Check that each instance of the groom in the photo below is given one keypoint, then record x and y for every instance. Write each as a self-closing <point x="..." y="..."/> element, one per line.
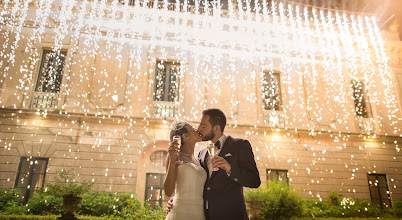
<point x="223" y="190"/>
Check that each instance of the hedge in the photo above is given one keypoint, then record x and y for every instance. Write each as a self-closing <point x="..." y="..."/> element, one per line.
<point x="44" y="217"/>
<point x="276" y="201"/>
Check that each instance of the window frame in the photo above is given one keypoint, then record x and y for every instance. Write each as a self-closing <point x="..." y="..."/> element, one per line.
<point x="276" y="174"/>
<point x="164" y="156"/>
<point x="38" y="84"/>
<point x="167" y="81"/>
<point x="30" y="176"/>
<point x="366" y="100"/>
<point x="376" y="175"/>
<point x="265" y="88"/>
<point x="147" y="186"/>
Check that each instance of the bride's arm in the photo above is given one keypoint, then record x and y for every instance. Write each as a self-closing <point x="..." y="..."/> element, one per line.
<point x="171" y="173"/>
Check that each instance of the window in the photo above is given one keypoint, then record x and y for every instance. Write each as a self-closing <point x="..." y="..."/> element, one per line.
<point x="281" y="175"/>
<point x="47" y="88"/>
<point x="362" y="105"/>
<point x="379" y="191"/>
<point x="158" y="158"/>
<point x="166" y="89"/>
<point x="365" y="119"/>
<point x="51" y="71"/>
<point x="271" y="91"/>
<point x="31" y="175"/>
<point x="154" y="193"/>
<point x="166" y="81"/>
<point x="130" y="2"/>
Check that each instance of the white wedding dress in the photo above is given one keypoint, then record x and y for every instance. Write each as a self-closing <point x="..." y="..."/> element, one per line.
<point x="188" y="200"/>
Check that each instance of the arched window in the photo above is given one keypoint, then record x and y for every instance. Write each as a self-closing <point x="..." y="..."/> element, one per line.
<point x="158" y="158"/>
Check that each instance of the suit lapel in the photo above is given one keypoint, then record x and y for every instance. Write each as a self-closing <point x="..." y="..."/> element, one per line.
<point x="226" y="147"/>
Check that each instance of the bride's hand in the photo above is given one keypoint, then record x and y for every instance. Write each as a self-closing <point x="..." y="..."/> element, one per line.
<point x="173" y="151"/>
<point x="169" y="205"/>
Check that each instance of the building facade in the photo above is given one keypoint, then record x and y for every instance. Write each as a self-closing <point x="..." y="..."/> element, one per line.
<point x="94" y="86"/>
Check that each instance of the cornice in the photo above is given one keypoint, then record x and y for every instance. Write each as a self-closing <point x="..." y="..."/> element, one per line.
<point x="164" y="124"/>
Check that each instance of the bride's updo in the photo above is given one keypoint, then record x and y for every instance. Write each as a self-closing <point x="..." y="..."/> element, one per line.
<point x="179" y="128"/>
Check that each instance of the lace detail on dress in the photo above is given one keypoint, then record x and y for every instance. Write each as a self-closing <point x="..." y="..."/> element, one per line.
<point x="187" y="158"/>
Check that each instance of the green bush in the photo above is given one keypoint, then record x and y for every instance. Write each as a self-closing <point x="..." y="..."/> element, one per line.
<point x="104" y="203"/>
<point x="41" y="217"/>
<point x="277" y="200"/>
<point x="27" y="217"/>
<point x="338" y="206"/>
<point x="43" y="203"/>
<point x="334" y="198"/>
<point x="120" y="205"/>
<point x="93" y="203"/>
<point x="134" y="210"/>
<point x="360" y="208"/>
<point x="11" y="202"/>
<point x="65" y="185"/>
<point x="316" y="208"/>
<point x="396" y="209"/>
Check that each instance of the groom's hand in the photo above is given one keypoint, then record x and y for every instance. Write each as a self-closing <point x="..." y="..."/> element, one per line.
<point x="219" y="162"/>
<point x="169" y="205"/>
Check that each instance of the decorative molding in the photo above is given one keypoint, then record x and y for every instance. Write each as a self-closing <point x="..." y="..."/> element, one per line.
<point x="394" y="51"/>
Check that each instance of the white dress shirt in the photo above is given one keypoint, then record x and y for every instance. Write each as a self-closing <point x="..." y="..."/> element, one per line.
<point x="222" y="139"/>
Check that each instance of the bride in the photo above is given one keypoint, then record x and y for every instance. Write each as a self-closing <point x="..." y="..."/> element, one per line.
<point x="186" y="180"/>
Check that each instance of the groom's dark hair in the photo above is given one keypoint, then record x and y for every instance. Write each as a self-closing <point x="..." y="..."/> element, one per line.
<point x="216" y="117"/>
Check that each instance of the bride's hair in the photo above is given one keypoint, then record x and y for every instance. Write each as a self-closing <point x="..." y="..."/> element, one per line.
<point x="178" y="128"/>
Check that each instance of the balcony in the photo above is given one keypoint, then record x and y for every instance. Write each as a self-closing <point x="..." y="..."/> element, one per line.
<point x="262" y="7"/>
<point x="44" y="100"/>
<point x="180" y="7"/>
<point x="274" y="118"/>
<point x="165" y="110"/>
<point x="366" y="125"/>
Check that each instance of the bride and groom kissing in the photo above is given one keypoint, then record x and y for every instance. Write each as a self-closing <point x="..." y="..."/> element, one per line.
<point x="211" y="186"/>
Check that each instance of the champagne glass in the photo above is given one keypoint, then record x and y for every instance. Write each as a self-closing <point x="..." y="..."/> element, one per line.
<point x="212" y="151"/>
<point x="177" y="139"/>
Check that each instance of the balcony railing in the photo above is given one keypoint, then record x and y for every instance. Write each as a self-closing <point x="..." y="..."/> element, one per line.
<point x="366" y="125"/>
<point x="242" y="5"/>
<point x="173" y="6"/>
<point x="164" y="109"/>
<point x="274" y="118"/>
<point x="44" y="100"/>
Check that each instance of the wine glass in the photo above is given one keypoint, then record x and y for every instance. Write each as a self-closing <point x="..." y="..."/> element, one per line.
<point x="212" y="151"/>
<point x="177" y="139"/>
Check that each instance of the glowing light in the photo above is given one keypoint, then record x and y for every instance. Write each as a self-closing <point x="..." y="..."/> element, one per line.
<point x="117" y="51"/>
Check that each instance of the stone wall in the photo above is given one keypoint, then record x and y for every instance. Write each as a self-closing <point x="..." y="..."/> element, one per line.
<point x="115" y="153"/>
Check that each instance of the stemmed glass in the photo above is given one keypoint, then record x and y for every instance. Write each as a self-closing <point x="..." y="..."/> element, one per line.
<point x="177" y="139"/>
<point x="212" y="151"/>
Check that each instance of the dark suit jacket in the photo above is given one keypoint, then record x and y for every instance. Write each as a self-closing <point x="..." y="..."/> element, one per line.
<point x="225" y="193"/>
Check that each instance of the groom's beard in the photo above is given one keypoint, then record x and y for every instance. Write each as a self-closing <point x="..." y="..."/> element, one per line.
<point x="209" y="136"/>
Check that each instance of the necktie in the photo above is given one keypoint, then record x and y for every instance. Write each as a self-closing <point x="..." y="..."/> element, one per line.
<point x="218" y="144"/>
